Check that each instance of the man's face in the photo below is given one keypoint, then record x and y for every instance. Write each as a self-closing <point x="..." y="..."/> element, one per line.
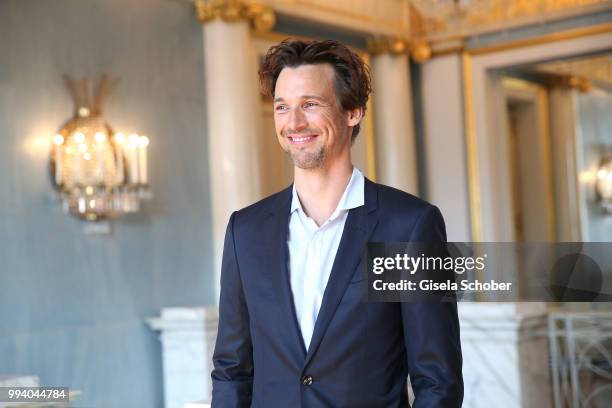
<point x="310" y="123"/>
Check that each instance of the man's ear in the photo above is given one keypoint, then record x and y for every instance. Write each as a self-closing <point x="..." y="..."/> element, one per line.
<point x="354" y="116"/>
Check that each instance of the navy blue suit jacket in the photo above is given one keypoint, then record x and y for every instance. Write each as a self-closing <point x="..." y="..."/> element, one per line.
<point x="360" y="353"/>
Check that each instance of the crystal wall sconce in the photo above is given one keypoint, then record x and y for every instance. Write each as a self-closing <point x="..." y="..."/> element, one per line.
<point x="98" y="173"/>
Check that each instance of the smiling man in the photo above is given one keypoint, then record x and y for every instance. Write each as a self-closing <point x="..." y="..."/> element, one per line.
<point x="293" y="329"/>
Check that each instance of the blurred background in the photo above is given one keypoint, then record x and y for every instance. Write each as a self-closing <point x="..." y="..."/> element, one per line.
<point x="131" y="129"/>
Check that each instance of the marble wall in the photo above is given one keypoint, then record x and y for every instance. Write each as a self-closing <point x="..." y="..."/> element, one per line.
<point x="72" y="305"/>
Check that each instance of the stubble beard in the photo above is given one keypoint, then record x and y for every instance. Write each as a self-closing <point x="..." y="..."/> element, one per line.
<point x="307" y="160"/>
<point x="302" y="158"/>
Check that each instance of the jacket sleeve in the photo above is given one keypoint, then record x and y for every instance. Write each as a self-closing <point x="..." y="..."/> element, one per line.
<point x="232" y="376"/>
<point x="431" y="334"/>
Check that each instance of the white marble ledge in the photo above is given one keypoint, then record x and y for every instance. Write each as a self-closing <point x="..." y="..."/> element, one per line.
<point x="497" y="310"/>
<point x="502" y="321"/>
<point x="188" y="336"/>
<point x="19" y="380"/>
<point x="197" y="405"/>
<point x="185" y="318"/>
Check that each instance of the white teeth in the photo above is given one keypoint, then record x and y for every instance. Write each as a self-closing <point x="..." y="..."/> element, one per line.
<point x="301" y="139"/>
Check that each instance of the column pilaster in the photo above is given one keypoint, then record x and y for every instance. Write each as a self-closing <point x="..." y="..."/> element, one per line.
<point x="396" y="159"/>
<point x="233" y="108"/>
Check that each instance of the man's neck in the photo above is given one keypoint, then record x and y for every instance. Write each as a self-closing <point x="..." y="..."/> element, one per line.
<point x="321" y="189"/>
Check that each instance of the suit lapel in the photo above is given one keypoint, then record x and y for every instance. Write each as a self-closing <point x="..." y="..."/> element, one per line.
<point x="281" y="284"/>
<point x="358" y="228"/>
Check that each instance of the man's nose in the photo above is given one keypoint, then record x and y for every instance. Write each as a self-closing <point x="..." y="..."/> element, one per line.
<point x="297" y="120"/>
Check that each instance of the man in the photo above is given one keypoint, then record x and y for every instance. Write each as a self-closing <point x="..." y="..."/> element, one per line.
<point x="293" y="329"/>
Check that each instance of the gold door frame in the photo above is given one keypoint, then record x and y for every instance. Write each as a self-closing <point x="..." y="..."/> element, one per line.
<point x="469" y="114"/>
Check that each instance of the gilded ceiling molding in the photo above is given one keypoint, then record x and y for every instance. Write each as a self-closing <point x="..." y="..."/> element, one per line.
<point x="577" y="82"/>
<point x="261" y="17"/>
<point x="437" y="20"/>
<point x="388" y="45"/>
<point x="419" y="50"/>
<point x="445" y="47"/>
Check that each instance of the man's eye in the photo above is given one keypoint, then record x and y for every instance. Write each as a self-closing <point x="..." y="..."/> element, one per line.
<point x="280" y="108"/>
<point x="310" y="104"/>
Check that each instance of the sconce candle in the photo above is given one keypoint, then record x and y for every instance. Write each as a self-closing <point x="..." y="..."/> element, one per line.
<point x="132" y="154"/>
<point x="120" y="140"/>
<point x="604" y="184"/>
<point x="58" y="140"/>
<point x="143" y="143"/>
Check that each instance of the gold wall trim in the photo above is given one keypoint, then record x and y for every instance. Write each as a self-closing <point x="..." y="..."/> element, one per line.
<point x="369" y="130"/>
<point x="520" y="84"/>
<point x="544" y="113"/>
<point x="472" y="151"/>
<point x="544" y="132"/>
<point x="544" y="39"/>
<point x="447" y="51"/>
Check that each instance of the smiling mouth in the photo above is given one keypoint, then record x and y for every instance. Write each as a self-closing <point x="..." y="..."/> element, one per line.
<point x="300" y="140"/>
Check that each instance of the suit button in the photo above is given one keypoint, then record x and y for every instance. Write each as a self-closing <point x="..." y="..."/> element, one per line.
<point x="307" y="380"/>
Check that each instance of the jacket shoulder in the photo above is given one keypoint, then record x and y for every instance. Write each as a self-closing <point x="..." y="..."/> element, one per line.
<point x="397" y="201"/>
<point x="263" y="207"/>
<point x="406" y="217"/>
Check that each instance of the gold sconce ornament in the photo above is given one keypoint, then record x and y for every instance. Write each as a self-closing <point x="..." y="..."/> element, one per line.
<point x="604" y="184"/>
<point x="98" y="173"/>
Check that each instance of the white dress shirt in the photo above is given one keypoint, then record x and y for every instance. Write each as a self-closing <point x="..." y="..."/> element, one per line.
<point x="312" y="251"/>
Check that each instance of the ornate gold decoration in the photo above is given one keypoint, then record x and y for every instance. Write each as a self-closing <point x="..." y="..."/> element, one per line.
<point x="260" y="16"/>
<point x="580" y="83"/>
<point x="264" y="18"/>
<point x="420" y="51"/>
<point x="388" y="45"/>
<point x="445" y="17"/>
<point x="581" y="73"/>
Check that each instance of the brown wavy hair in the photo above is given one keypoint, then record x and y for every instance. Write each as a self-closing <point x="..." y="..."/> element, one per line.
<point x="352" y="75"/>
